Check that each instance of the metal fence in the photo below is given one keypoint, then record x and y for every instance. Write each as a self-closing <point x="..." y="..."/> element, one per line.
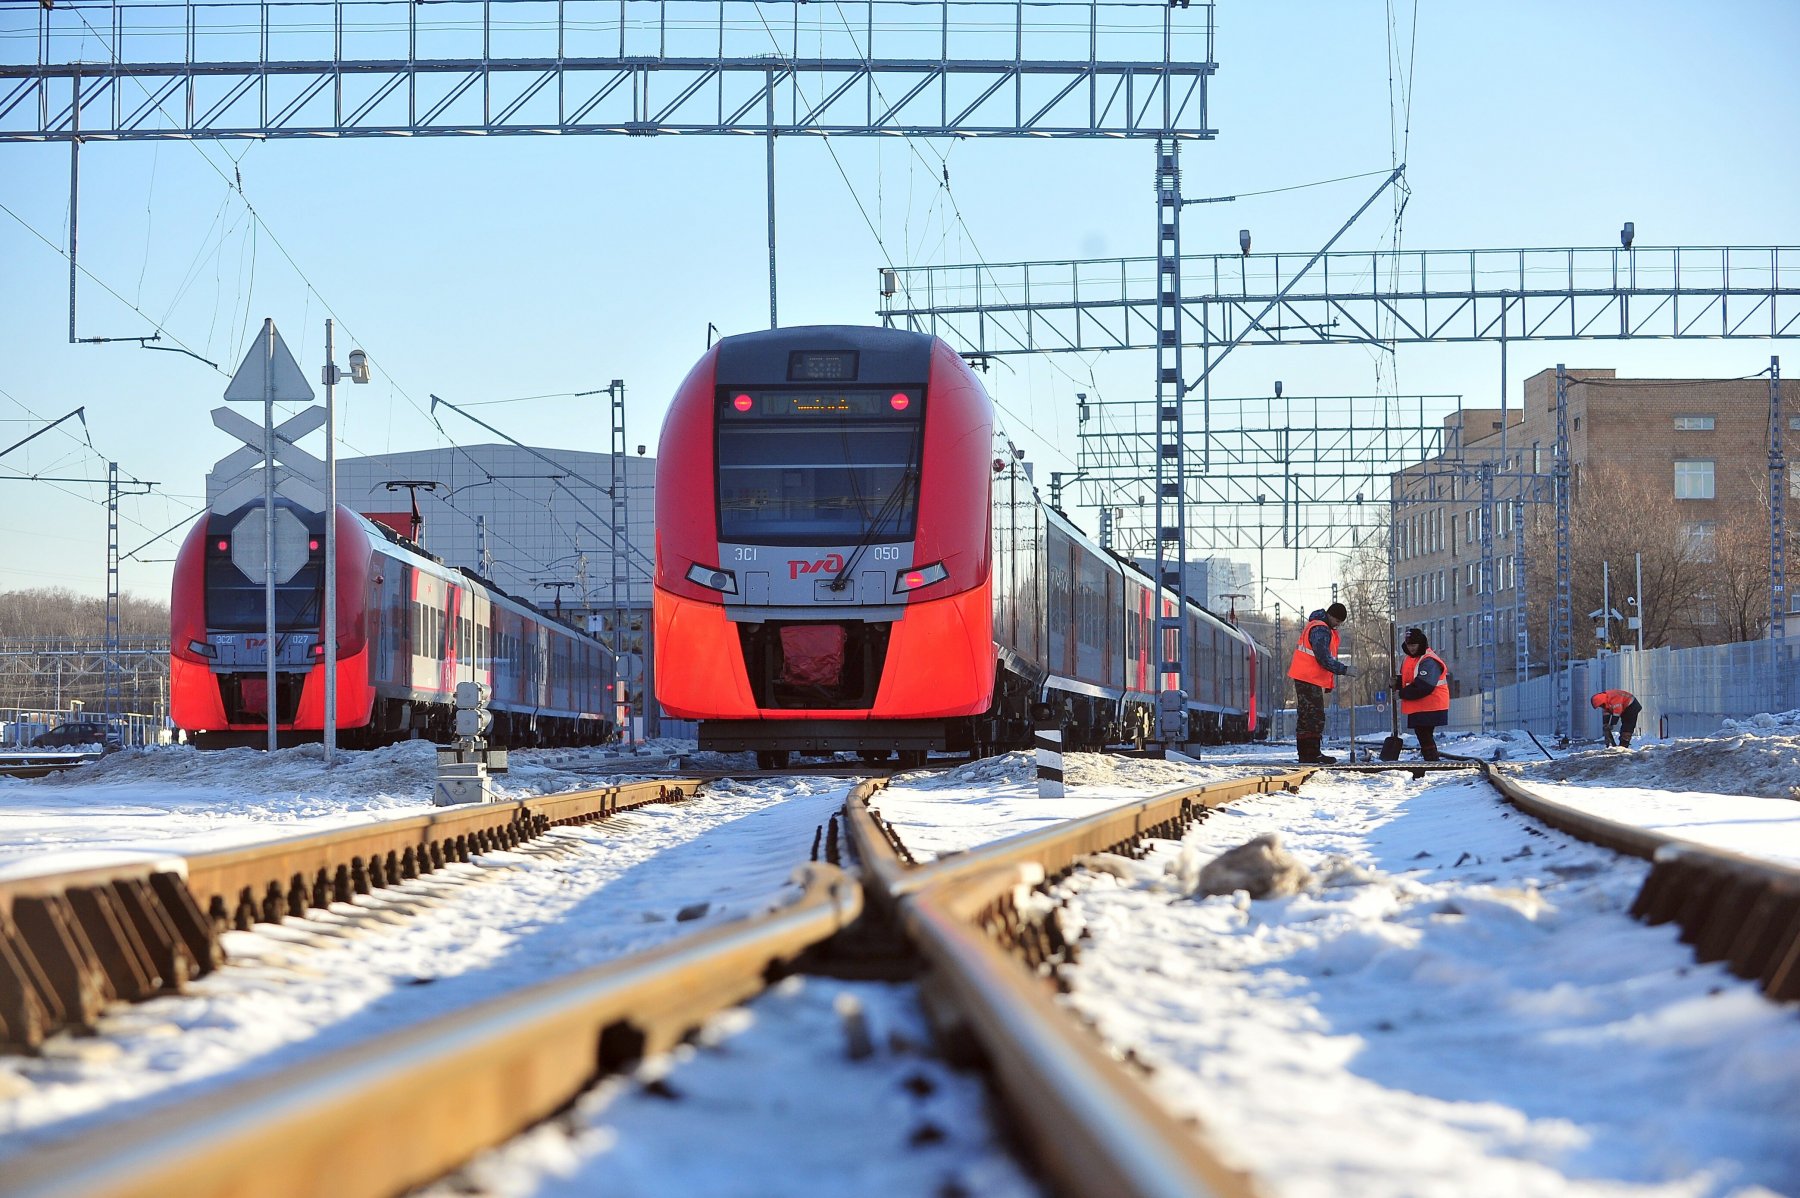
<point x="1685" y="692"/>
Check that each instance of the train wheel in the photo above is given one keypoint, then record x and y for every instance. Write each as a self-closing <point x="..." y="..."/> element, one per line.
<point x="873" y="756"/>
<point x="911" y="759"/>
<point x="771" y="759"/>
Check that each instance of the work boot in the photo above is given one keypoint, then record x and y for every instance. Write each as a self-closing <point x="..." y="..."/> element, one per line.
<point x="1309" y="751"/>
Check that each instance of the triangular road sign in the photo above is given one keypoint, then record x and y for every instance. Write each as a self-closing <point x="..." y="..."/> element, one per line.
<point x="268" y="361"/>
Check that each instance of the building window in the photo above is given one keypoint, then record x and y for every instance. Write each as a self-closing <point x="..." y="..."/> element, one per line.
<point x="1700" y="535"/>
<point x="1693" y="478"/>
<point x="1694" y="424"/>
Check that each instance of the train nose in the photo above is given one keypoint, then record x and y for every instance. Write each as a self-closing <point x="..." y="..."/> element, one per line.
<point x="814" y="664"/>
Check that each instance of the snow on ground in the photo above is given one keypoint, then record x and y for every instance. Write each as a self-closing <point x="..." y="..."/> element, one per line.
<point x="1458" y="1006"/>
<point x="769" y="1101"/>
<point x="1462" y="1008"/>
<point x="177" y="799"/>
<point x="961" y="808"/>
<point x="307" y="986"/>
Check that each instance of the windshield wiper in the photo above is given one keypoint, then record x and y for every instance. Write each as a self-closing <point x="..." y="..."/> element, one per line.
<point x="894" y="498"/>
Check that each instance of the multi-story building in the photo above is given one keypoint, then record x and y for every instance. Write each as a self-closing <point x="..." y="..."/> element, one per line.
<point x="1706" y="440"/>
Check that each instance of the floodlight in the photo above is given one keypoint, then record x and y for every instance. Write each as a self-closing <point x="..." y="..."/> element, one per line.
<point x="1244" y="241"/>
<point x="1626" y="234"/>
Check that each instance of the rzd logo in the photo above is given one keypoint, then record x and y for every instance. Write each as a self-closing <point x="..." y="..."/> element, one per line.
<point x="830" y="563"/>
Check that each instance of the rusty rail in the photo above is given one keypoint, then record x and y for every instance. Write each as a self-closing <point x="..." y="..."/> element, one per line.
<point x="72" y="942"/>
<point x="1731" y="908"/>
<point x="1092" y="1126"/>
<point x="379" y="1118"/>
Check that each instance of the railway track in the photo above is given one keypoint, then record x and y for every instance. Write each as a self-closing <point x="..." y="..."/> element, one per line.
<point x="70" y="943"/>
<point x="987" y="952"/>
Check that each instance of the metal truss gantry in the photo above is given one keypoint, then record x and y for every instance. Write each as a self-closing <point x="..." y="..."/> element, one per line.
<point x="51" y="672"/>
<point x="133" y="70"/>
<point x="1360" y="298"/>
<point x="1270" y="474"/>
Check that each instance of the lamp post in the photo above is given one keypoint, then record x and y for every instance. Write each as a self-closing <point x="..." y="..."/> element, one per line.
<point x="359" y="373"/>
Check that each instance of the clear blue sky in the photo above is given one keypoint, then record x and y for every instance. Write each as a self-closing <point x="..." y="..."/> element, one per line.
<point x="485" y="269"/>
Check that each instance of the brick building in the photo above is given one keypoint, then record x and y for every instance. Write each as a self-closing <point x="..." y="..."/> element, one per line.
<point x="1705" y="439"/>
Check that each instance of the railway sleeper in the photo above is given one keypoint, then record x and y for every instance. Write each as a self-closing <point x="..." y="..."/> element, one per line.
<point x="65" y="956"/>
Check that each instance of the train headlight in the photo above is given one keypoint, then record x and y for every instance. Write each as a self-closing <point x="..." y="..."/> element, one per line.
<point x="921" y="576"/>
<point x="713" y="578"/>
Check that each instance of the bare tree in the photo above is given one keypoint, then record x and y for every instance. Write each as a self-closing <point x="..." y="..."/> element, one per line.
<point x="1615" y="516"/>
<point x="1739" y="588"/>
<point x="45" y="612"/>
<point x="1364" y="591"/>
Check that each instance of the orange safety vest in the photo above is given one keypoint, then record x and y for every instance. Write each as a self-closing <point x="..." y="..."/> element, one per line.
<point x="1438" y="699"/>
<point x="1305" y="667"/>
<point x="1616" y="701"/>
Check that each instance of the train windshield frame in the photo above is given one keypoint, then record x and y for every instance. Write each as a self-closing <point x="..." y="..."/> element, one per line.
<point x="235" y="603"/>
<point x="801" y="466"/>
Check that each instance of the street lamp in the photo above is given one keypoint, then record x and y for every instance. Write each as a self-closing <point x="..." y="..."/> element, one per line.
<point x="359" y="373"/>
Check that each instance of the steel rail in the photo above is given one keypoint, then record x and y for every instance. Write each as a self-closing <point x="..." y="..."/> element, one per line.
<point x="70" y="942"/>
<point x="1057" y="848"/>
<point x="378" y="1118"/>
<point x="1092" y="1126"/>
<point x="1733" y="908"/>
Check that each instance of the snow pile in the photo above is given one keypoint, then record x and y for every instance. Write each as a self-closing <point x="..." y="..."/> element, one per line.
<point x="1746" y="758"/>
<point x="1457" y="1006"/>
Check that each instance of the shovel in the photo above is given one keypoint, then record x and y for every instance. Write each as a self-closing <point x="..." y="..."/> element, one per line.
<point x="1390" y="748"/>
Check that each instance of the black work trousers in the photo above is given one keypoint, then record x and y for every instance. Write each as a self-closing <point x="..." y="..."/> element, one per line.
<point x="1628" y="720"/>
<point x="1309" y="709"/>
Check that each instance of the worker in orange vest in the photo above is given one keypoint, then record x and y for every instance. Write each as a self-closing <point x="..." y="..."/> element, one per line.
<point x="1315" y="669"/>
<point x="1424" y="688"/>
<point x="1618" y="707"/>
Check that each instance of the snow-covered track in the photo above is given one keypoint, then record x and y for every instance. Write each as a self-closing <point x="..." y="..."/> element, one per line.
<point x="36" y="765"/>
<point x="1730" y="907"/>
<point x="72" y="942"/>
<point x="1089" y="1123"/>
<point x="381" y="1118"/>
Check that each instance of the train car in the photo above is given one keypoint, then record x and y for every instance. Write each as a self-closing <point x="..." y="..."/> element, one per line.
<point x="844" y="561"/>
<point x="409" y="628"/>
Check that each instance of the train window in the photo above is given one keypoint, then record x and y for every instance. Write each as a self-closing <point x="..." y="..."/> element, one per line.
<point x="792" y="482"/>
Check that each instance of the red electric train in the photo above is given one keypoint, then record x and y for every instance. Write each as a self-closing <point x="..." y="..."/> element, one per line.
<point x="844" y="561"/>
<point x="409" y="628"/>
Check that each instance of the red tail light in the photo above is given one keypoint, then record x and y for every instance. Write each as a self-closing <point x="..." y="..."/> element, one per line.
<point x="224" y="545"/>
<point x="742" y="403"/>
<point x="899" y="402"/>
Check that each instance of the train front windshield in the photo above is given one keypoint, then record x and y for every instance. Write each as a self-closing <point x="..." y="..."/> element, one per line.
<point x="815" y="468"/>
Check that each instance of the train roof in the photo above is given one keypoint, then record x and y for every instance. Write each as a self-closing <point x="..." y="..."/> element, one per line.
<point x="844" y="353"/>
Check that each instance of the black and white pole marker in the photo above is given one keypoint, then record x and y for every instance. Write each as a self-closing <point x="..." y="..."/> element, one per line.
<point x="1049" y="759"/>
